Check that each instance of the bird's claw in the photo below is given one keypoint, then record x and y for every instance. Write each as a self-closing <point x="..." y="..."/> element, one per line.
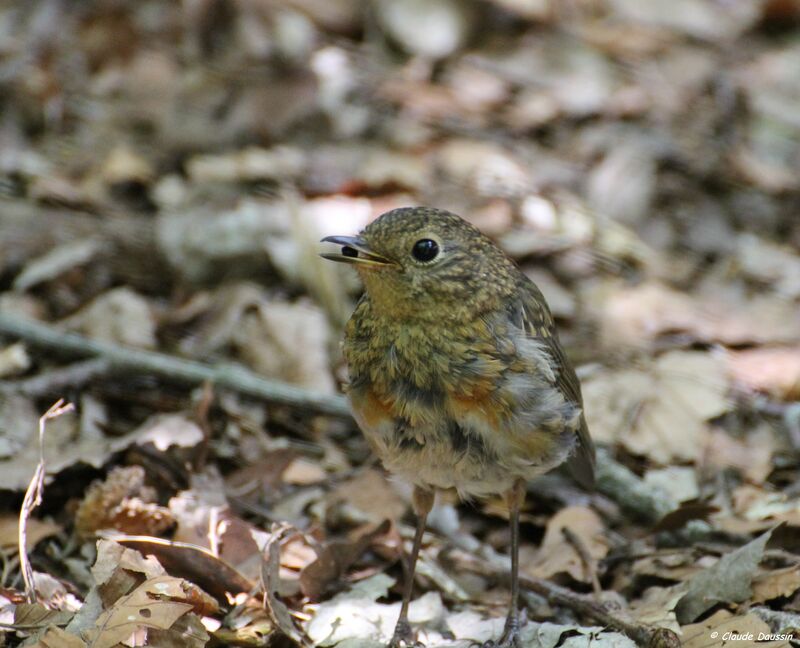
<point x="510" y="638"/>
<point x="399" y="642"/>
<point x="403" y="637"/>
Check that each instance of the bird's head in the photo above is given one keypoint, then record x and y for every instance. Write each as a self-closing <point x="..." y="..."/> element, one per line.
<point x="426" y="263"/>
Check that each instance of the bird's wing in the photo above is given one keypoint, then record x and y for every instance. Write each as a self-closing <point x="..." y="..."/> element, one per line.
<point x="538" y="323"/>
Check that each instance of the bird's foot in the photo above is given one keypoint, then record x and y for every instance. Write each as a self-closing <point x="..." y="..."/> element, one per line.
<point x="403" y="637"/>
<point x="510" y="638"/>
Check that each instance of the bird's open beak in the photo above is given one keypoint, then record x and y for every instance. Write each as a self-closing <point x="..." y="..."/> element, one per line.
<point x="354" y="250"/>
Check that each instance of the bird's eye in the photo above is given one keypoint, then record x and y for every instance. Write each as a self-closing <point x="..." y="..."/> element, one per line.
<point x="425" y="250"/>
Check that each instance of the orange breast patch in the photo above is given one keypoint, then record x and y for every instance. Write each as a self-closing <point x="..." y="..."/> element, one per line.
<point x="371" y="408"/>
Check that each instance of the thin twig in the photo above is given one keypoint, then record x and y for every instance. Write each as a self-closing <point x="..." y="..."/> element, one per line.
<point x="33" y="497"/>
<point x="128" y="359"/>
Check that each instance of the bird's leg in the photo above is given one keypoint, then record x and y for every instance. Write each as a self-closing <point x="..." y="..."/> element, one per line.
<point x="510" y="639"/>
<point x="515" y="498"/>
<point x="423" y="502"/>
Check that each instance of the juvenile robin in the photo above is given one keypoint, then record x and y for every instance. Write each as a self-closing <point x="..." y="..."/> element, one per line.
<point x="457" y="377"/>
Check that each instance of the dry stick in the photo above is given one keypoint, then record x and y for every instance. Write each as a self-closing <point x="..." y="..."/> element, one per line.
<point x="33" y="497"/>
<point x="643" y="635"/>
<point x="228" y="376"/>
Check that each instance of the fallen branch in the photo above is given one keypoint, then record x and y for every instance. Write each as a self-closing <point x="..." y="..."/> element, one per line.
<point x="642" y="634"/>
<point x="128" y="359"/>
<point x="624" y="487"/>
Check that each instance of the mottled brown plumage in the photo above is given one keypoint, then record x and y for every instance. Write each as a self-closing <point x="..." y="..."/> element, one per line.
<point x="457" y="377"/>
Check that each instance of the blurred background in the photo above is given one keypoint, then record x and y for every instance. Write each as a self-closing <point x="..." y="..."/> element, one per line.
<point x="168" y="168"/>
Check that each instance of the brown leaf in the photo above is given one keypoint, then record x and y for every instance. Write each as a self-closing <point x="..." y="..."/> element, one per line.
<point x="661" y="411"/>
<point x="30" y="616"/>
<point x="120" y="315"/>
<point x="639" y="315"/>
<point x="557" y="556"/>
<point x="669" y="564"/>
<point x="304" y="472"/>
<point x="271" y="580"/>
<point x="776" y="583"/>
<point x="335" y="559"/>
<point x="773" y="371"/>
<point x="196" y="564"/>
<point x="751" y="455"/>
<point x="687" y="511"/>
<point x="372" y="494"/>
<point x="36" y="531"/>
<point x="121" y="502"/>
<point x="156" y="603"/>
<point x="657" y="605"/>
<point x="55" y="637"/>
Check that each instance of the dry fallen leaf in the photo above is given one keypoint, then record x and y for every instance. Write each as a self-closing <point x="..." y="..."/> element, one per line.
<point x="14" y="360"/>
<point x="657" y="606"/>
<point x="556" y="555"/>
<point x="64" y="446"/>
<point x="287" y="341"/>
<point x="57" y="262"/>
<point x="751" y="455"/>
<point x="660" y="411"/>
<point x="157" y="603"/>
<point x="773" y="371"/>
<point x="55" y="637"/>
<point x="728" y="581"/>
<point x="355" y="615"/>
<point x="640" y="315"/>
<point x="193" y="563"/>
<point x="121" y="502"/>
<point x="775" y="583"/>
<point x="167" y="430"/>
<point x="36" y="530"/>
<point x="303" y="472"/>
<point x="120" y="315"/>
<point x="334" y="559"/>
<point x="756" y="509"/>
<point x="372" y="495"/>
<point x="669" y="564"/>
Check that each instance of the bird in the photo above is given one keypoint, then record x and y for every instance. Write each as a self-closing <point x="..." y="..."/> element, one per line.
<point x="457" y="377"/>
